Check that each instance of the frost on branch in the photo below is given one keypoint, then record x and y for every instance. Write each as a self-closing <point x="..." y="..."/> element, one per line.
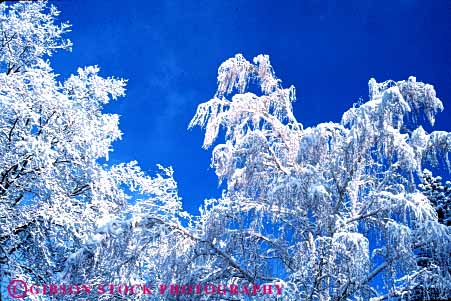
<point x="28" y="33"/>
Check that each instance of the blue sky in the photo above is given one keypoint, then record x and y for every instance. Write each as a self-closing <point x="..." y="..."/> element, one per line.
<point x="170" y="51"/>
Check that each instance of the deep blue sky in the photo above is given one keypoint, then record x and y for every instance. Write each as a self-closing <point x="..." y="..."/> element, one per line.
<point x="170" y="51"/>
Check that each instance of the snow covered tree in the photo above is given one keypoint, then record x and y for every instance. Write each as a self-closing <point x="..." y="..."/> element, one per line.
<point x="331" y="212"/>
<point x="65" y="216"/>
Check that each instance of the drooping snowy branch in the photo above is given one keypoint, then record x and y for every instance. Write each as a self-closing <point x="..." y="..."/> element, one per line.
<point x="308" y="201"/>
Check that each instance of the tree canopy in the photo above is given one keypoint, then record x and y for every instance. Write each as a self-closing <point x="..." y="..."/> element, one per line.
<point x="328" y="212"/>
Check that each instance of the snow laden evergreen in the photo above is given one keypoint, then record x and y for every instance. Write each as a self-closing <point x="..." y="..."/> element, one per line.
<point x="332" y="212"/>
<point x="64" y="217"/>
<point x="439" y="194"/>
